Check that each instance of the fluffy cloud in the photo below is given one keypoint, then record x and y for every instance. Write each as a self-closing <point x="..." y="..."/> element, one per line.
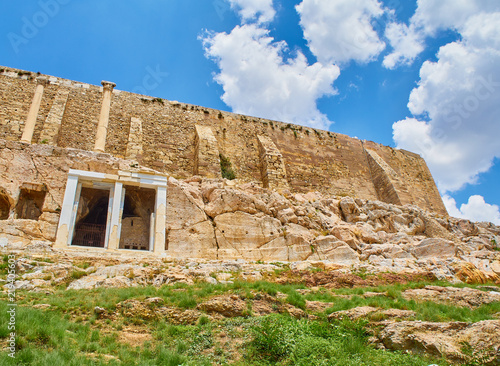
<point x="407" y="44"/>
<point x="476" y="209"/>
<point x="258" y="81"/>
<point x="456" y="102"/>
<point x="431" y="16"/>
<point x="249" y="10"/>
<point x="340" y="31"/>
<point x="456" y="124"/>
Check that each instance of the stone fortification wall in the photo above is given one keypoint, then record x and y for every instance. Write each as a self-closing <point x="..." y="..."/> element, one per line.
<point x="163" y="136"/>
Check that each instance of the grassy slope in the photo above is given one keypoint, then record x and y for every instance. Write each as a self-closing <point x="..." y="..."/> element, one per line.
<point x="69" y="333"/>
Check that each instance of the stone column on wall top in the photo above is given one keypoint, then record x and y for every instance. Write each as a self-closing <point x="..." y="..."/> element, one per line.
<point x="29" y="127"/>
<point x="102" y="127"/>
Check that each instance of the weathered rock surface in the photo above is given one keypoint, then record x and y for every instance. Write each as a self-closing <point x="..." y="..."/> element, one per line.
<point x="452" y="340"/>
<point x="466" y="296"/>
<point x="228" y="306"/>
<point x="371" y="312"/>
<point x="221" y="219"/>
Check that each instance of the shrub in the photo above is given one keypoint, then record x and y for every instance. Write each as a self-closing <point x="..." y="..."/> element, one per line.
<point x="225" y="167"/>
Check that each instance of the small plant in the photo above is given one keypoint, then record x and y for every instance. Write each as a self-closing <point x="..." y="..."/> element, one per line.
<point x="495" y="244"/>
<point x="159" y="100"/>
<point x="220" y="116"/>
<point x="295" y="134"/>
<point x="226" y="169"/>
<point x="284" y="232"/>
<point x="203" y="320"/>
<point x="130" y="274"/>
<point x="75" y="275"/>
<point x="44" y="141"/>
<point x="308" y="132"/>
<point x="476" y="358"/>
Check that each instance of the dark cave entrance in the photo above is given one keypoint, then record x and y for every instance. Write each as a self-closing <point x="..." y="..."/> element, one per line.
<point x="92" y="217"/>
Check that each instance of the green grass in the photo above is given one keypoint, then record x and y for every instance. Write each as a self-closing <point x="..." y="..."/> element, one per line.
<point x="282" y="340"/>
<point x="69" y="333"/>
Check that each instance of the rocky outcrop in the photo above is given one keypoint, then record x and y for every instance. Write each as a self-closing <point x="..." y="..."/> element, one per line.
<point x="456" y="341"/>
<point x="466" y="296"/>
<point x="371" y="312"/>
<point x="222" y="219"/>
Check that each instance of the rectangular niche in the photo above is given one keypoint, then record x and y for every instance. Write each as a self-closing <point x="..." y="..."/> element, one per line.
<point x="30" y="203"/>
<point x="137" y="218"/>
<point x="91" y="218"/>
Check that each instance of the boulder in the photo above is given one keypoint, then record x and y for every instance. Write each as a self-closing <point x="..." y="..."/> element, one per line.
<point x="434" y="248"/>
<point x="371" y="312"/>
<point x="240" y="235"/>
<point x="226" y="305"/>
<point x="466" y="296"/>
<point x="232" y="200"/>
<point x="454" y="341"/>
<point x="196" y="241"/>
<point x="336" y="251"/>
<point x="183" y="210"/>
<point x="350" y="209"/>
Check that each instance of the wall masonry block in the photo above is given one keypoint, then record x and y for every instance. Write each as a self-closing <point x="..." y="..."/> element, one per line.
<point x="272" y="166"/>
<point x="52" y="125"/>
<point x="134" y="145"/>
<point x="206" y="156"/>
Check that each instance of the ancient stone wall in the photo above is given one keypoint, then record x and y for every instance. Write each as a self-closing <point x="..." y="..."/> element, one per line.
<point x="314" y="160"/>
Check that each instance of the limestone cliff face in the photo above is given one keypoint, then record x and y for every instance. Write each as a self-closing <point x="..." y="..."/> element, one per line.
<point x="181" y="140"/>
<point x="211" y="218"/>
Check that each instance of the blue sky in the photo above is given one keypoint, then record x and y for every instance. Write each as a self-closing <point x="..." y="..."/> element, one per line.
<point x="416" y="75"/>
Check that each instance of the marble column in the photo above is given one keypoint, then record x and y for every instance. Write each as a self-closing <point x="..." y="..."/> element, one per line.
<point x="29" y="127"/>
<point x="64" y="229"/>
<point x="160" y="217"/>
<point x="116" y="216"/>
<point x="102" y="127"/>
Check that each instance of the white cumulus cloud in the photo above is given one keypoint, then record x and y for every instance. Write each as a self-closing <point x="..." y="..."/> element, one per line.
<point x="456" y="103"/>
<point x="476" y="209"/>
<point x="431" y="16"/>
<point x="456" y="111"/>
<point x="249" y="10"/>
<point x="258" y="81"/>
<point x="407" y="44"/>
<point x="340" y="31"/>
